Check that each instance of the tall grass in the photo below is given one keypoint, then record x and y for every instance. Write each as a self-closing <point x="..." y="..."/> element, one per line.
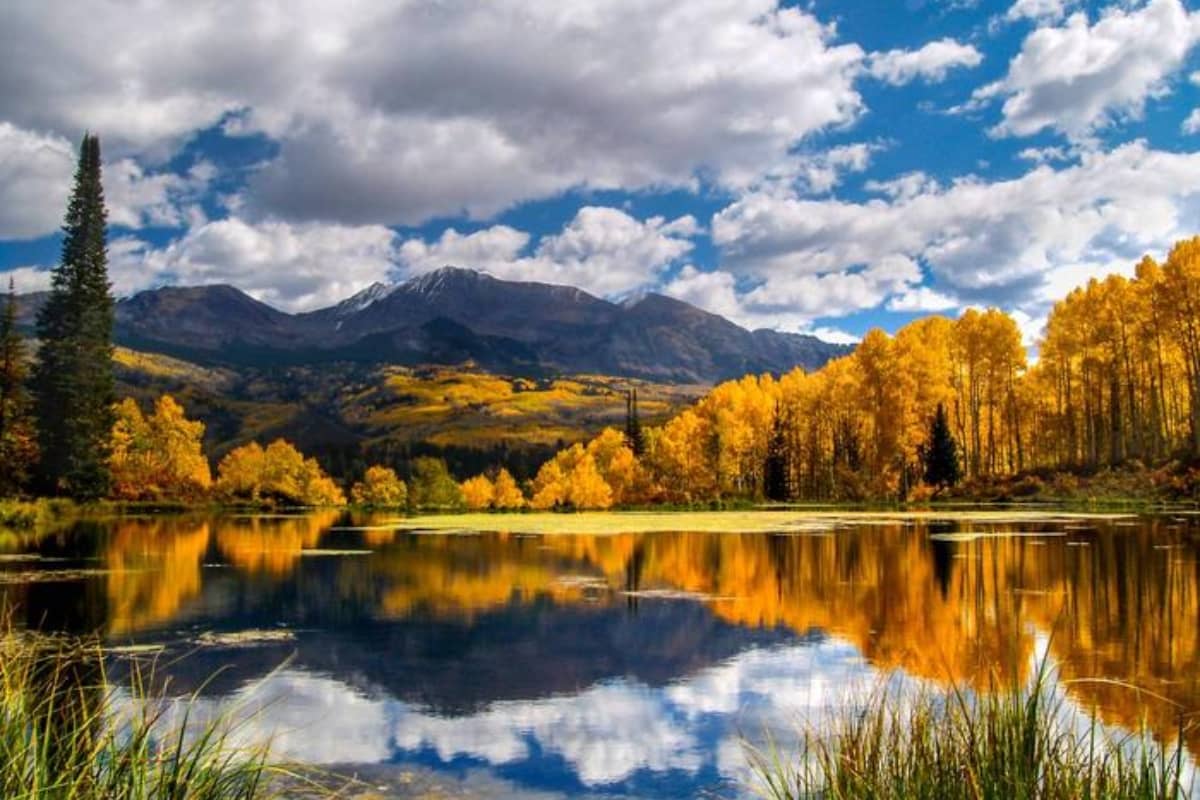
<point x="1009" y="743"/>
<point x="61" y="740"/>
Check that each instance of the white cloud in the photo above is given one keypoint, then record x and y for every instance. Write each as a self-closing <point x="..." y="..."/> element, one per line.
<point x="602" y="250"/>
<point x="791" y="301"/>
<point x="26" y="279"/>
<point x="1082" y="76"/>
<point x="295" y="267"/>
<point x="1038" y="10"/>
<point x="35" y="178"/>
<point x="931" y="62"/>
<point x="36" y="172"/>
<point x="922" y="298"/>
<point x="1017" y="242"/>
<point x="397" y="112"/>
<point x="137" y="198"/>
<point x="1191" y="125"/>
<point x="1044" y="155"/>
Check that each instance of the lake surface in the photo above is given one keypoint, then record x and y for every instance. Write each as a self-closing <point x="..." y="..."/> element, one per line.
<point x="621" y="665"/>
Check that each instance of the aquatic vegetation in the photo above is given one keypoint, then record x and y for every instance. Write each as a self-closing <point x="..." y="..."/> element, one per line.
<point x="1012" y="741"/>
<point x="59" y="737"/>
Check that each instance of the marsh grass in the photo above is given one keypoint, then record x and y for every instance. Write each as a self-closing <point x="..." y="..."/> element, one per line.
<point x="1009" y="743"/>
<point x="61" y="739"/>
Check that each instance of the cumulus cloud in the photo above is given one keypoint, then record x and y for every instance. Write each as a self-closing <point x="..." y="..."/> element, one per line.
<point x="1017" y="243"/>
<point x="1191" y="125"/>
<point x="922" y="298"/>
<point x="1082" y="76"/>
<point x="931" y="62"/>
<point x="35" y="177"/>
<point x="1038" y="10"/>
<point x="295" y="267"/>
<point x="36" y="172"/>
<point x="413" y="110"/>
<point x="602" y="250"/>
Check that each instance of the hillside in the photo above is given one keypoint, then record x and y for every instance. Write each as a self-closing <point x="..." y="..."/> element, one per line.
<point x="343" y="411"/>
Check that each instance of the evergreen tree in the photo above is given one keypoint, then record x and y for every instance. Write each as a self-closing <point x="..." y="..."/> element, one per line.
<point x="18" y="437"/>
<point x="776" y="485"/>
<point x="73" y="375"/>
<point x="939" y="454"/>
<point x="633" y="426"/>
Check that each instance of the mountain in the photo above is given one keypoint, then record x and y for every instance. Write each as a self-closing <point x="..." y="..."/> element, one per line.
<point x="455" y="316"/>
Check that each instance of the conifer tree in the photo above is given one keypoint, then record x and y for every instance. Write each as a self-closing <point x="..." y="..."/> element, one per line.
<point x="18" y="437"/>
<point x="939" y="453"/>
<point x="73" y="375"/>
<point x="633" y="426"/>
<point x="775" y="472"/>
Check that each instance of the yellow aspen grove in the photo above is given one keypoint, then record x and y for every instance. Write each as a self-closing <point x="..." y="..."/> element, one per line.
<point x="1117" y="380"/>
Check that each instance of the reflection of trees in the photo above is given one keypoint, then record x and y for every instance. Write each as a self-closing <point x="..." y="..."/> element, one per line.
<point x="1127" y="606"/>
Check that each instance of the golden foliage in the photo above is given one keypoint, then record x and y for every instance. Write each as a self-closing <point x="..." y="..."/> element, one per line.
<point x="160" y="456"/>
<point x="478" y="492"/>
<point x="506" y="494"/>
<point x="277" y="474"/>
<point x="380" y="487"/>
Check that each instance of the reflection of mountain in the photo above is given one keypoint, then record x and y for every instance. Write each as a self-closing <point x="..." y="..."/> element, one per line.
<point x="455" y="622"/>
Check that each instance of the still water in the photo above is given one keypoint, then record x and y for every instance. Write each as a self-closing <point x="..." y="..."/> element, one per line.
<point x="620" y="665"/>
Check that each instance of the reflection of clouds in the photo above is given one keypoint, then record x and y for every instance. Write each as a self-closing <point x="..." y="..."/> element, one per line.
<point x="605" y="733"/>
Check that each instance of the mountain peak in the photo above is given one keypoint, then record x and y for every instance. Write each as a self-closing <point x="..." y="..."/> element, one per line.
<point x="442" y="279"/>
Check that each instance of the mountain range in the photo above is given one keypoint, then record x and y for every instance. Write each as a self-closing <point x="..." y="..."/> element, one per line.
<point x="455" y="316"/>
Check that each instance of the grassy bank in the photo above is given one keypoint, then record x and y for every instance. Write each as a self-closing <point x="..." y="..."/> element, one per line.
<point x="1009" y="743"/>
<point x="60" y="740"/>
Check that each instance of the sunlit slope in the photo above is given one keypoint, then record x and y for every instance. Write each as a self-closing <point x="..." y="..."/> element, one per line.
<point x="349" y="405"/>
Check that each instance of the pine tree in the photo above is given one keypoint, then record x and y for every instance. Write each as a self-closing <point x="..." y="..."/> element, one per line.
<point x="776" y="485"/>
<point x="939" y="454"/>
<point x="633" y="426"/>
<point x="73" y="375"/>
<point x="18" y="437"/>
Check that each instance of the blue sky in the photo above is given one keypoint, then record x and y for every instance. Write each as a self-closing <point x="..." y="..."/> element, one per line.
<point x="825" y="166"/>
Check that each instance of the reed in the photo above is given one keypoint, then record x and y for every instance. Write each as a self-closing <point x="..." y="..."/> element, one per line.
<point x="1008" y="743"/>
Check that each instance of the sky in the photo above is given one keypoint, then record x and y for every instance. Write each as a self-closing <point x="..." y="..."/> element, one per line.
<point x="826" y="166"/>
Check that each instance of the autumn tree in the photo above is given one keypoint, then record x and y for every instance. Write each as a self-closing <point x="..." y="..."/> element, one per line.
<point x="432" y="486"/>
<point x="380" y="487"/>
<point x="506" y="494"/>
<point x="277" y="474"/>
<point x="18" y="435"/>
<point x="159" y="456"/>
<point x="478" y="492"/>
<point x="73" y="374"/>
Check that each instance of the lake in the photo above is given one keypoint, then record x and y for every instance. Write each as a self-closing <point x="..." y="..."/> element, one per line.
<point x="612" y="664"/>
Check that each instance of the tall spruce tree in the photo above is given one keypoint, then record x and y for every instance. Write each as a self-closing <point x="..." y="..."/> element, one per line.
<point x="18" y="436"/>
<point x="939" y="454"/>
<point x="776" y="485"/>
<point x="73" y="375"/>
<point x="633" y="426"/>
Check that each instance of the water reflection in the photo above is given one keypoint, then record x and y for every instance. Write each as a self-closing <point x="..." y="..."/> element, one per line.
<point x="627" y="661"/>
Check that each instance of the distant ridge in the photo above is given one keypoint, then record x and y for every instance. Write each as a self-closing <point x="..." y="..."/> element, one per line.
<point x="454" y="316"/>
